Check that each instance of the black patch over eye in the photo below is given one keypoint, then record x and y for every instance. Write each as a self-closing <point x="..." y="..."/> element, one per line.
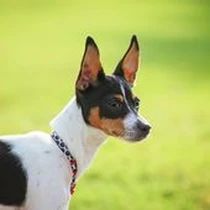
<point x="113" y="108"/>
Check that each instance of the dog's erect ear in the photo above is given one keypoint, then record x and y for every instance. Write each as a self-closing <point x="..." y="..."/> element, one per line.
<point x="128" y="66"/>
<point x="90" y="69"/>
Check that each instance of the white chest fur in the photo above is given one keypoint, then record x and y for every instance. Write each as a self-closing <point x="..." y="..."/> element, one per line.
<point x="48" y="171"/>
<point x="82" y="140"/>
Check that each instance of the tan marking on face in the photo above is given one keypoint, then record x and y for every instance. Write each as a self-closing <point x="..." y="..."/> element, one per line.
<point x="119" y="97"/>
<point x="113" y="127"/>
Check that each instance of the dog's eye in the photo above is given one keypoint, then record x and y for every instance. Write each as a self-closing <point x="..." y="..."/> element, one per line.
<point x="136" y="103"/>
<point x="114" y="103"/>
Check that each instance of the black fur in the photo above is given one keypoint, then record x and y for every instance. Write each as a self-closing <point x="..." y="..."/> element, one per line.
<point x="13" y="178"/>
<point x="102" y="96"/>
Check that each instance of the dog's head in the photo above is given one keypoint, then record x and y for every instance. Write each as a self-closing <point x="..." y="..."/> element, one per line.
<point x="107" y="102"/>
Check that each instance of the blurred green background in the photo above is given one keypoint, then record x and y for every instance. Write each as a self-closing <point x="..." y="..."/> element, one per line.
<point x="41" y="45"/>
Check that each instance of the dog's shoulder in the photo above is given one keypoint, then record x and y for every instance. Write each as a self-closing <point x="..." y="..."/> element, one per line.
<point x="26" y="167"/>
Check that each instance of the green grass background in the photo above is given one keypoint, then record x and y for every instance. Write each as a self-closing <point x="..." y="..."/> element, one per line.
<point x="41" y="44"/>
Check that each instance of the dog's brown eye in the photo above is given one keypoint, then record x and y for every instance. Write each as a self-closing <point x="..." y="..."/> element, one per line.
<point x="114" y="103"/>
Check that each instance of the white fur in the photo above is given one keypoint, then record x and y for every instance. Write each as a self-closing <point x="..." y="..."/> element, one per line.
<point x="131" y="119"/>
<point x="49" y="172"/>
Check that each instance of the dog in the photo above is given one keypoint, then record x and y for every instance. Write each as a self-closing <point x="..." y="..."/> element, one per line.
<point x="38" y="171"/>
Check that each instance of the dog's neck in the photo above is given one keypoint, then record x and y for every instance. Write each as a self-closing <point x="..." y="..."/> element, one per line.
<point x="82" y="139"/>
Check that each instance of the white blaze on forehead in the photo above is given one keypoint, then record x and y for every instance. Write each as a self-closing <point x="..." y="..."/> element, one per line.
<point x="124" y="96"/>
<point x="131" y="118"/>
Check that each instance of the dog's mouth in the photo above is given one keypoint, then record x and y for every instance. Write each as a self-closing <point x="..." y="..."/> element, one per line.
<point x="131" y="135"/>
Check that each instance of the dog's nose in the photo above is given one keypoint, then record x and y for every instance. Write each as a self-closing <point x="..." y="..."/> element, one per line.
<point x="144" y="128"/>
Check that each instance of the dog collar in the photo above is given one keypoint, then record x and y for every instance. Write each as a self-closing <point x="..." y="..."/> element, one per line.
<point x="73" y="163"/>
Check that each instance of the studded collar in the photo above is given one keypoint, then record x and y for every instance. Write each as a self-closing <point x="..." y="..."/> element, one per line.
<point x="73" y="163"/>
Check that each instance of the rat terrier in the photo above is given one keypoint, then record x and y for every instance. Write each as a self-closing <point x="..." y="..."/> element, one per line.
<point x="38" y="171"/>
